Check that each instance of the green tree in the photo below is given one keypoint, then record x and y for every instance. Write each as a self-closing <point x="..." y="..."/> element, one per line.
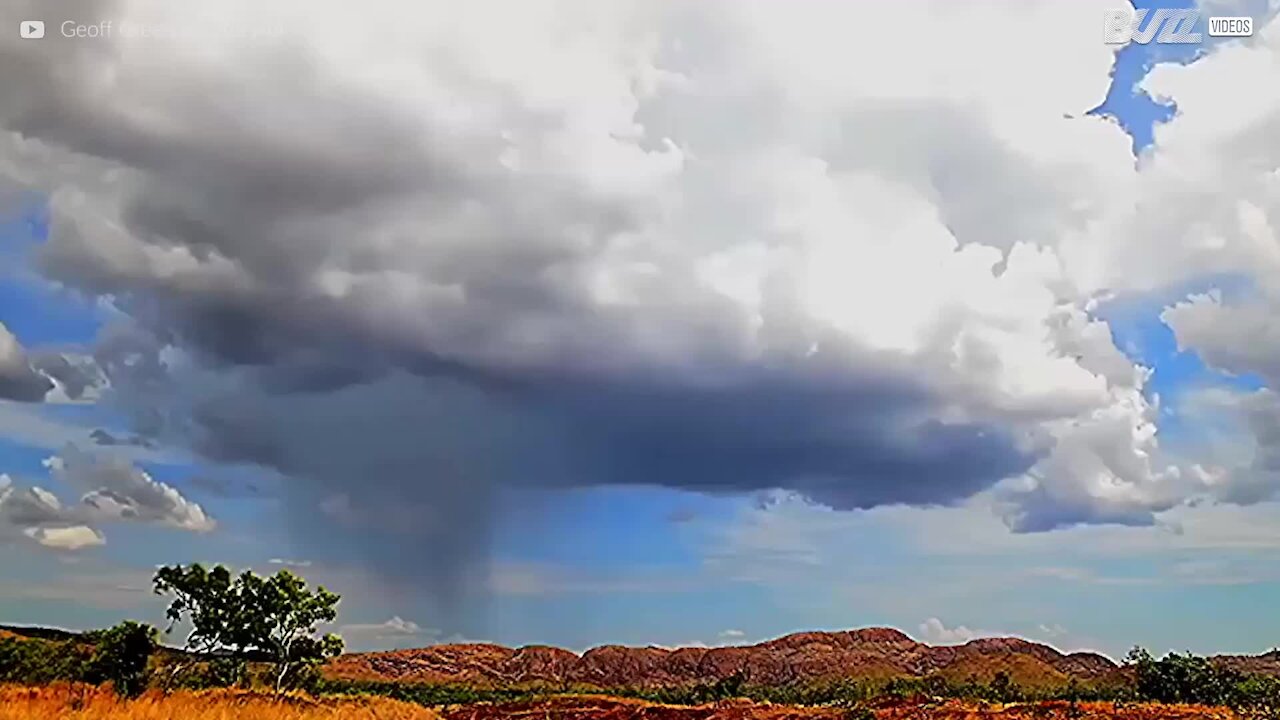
<point x="209" y="601"/>
<point x="277" y="616"/>
<point x="121" y="655"/>
<point x="1183" y="678"/>
<point x="1003" y="689"/>
<point x="285" y="623"/>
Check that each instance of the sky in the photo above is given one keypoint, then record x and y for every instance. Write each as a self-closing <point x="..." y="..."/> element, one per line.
<point x="646" y="323"/>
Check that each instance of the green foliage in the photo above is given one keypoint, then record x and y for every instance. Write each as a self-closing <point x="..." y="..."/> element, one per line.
<point x="38" y="662"/>
<point x="227" y="672"/>
<point x="1258" y="698"/>
<point x="209" y="600"/>
<point x="218" y="672"/>
<point x="284" y="623"/>
<point x="725" y="688"/>
<point x="275" y="617"/>
<point x="854" y="694"/>
<point x="1003" y="690"/>
<point x="1184" y="679"/>
<point x="430" y="695"/>
<point x="121" y="655"/>
<point x="902" y="688"/>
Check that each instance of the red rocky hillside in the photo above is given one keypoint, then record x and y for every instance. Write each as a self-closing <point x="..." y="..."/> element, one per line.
<point x="798" y="658"/>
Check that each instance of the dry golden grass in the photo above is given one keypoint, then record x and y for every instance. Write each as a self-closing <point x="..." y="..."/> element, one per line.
<point x="79" y="702"/>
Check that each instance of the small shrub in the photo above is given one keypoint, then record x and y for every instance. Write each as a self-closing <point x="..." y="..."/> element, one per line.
<point x="1003" y="689"/>
<point x="218" y="672"/>
<point x="121" y="655"/>
<point x="227" y="672"/>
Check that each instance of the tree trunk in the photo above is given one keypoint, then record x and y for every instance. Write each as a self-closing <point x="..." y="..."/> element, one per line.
<point x="284" y="665"/>
<point x="284" y="668"/>
<point x="174" y="674"/>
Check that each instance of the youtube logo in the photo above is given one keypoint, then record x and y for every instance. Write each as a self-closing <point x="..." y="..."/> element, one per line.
<point x="31" y="29"/>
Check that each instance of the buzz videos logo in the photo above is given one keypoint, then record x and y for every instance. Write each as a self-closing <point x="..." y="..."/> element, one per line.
<point x="1168" y="26"/>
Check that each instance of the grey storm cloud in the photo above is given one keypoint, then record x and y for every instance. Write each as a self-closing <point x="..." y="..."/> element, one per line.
<point x="77" y="376"/>
<point x="106" y="438"/>
<point x="18" y="379"/>
<point x="411" y="296"/>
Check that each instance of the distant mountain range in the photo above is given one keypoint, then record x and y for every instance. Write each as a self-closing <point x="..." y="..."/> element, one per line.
<point x="805" y="657"/>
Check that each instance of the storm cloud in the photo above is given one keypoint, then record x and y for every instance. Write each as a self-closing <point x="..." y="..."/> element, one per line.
<point x="18" y="380"/>
<point x="597" y="244"/>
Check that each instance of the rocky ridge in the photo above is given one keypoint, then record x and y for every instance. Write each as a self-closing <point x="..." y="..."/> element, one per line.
<point x="797" y="658"/>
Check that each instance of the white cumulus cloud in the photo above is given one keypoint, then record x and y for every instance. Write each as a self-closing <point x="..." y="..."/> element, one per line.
<point x="935" y="631"/>
<point x="114" y="489"/>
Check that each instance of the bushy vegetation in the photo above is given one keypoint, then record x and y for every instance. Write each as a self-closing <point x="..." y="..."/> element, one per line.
<point x="856" y="693"/>
<point x="39" y="662"/>
<point x="119" y="655"/>
<point x="187" y="673"/>
<point x="226" y="672"/>
<point x="433" y="695"/>
<point x="854" y="696"/>
<point x="1258" y="697"/>
<point x="1186" y="678"/>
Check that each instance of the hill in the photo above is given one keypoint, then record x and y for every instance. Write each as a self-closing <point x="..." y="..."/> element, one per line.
<point x="41" y="633"/>
<point x="1264" y="664"/>
<point x="797" y="658"/>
